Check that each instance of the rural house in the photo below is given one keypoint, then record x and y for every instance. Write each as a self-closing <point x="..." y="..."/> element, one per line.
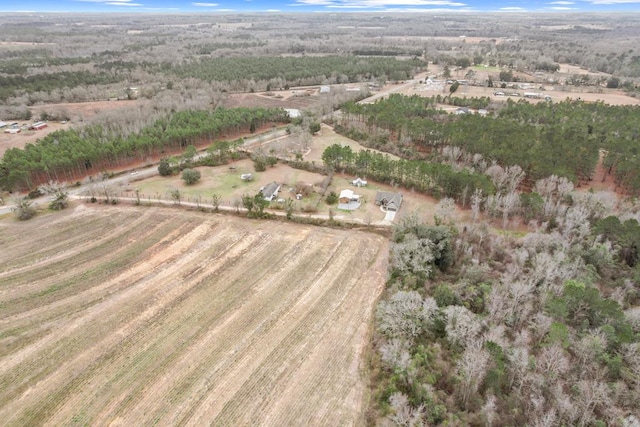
<point x="347" y="196"/>
<point x="348" y="201"/>
<point x="270" y="191"/>
<point x="388" y="200"/>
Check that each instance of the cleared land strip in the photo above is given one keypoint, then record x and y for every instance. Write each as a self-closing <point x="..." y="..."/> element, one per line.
<point x="191" y="319"/>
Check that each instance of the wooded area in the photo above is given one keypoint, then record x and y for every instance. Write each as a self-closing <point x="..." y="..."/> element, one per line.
<point x="73" y="154"/>
<point x="544" y="139"/>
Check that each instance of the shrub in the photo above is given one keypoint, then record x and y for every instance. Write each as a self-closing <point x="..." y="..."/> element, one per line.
<point x="190" y="176"/>
<point x="23" y="209"/>
<point x="164" y="168"/>
<point x="332" y="198"/>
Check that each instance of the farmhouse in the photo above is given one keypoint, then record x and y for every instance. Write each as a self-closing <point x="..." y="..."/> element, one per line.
<point x="348" y="200"/>
<point x="270" y="191"/>
<point x="347" y="196"/>
<point x="389" y="200"/>
<point x="359" y="182"/>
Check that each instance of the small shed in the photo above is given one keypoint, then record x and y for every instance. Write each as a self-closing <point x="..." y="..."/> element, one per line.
<point x="388" y="200"/>
<point x="270" y="191"/>
<point x="246" y="177"/>
<point x="359" y="182"/>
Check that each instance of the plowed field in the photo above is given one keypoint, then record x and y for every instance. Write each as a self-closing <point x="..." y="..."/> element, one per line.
<point x="125" y="316"/>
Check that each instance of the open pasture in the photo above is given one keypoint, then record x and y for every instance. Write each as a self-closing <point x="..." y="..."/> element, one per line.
<point x="140" y="316"/>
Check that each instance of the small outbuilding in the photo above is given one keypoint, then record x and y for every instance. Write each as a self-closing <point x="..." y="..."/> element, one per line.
<point x="359" y="182"/>
<point x="38" y="125"/>
<point x="246" y="177"/>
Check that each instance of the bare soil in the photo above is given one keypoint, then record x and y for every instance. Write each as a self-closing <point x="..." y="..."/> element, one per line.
<point x="139" y="316"/>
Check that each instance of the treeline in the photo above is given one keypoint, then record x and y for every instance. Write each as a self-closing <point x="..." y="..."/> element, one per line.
<point x="436" y="179"/>
<point x="36" y="60"/>
<point x="296" y="70"/>
<point x="544" y="139"/>
<point x="70" y="154"/>
<point x="13" y="85"/>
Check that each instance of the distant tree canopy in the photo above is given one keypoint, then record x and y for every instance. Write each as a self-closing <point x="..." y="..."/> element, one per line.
<point x="10" y="85"/>
<point x="297" y="70"/>
<point x="69" y="154"/>
<point x="544" y="139"/>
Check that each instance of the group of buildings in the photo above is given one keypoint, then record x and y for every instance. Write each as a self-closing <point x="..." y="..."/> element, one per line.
<point x="16" y="128"/>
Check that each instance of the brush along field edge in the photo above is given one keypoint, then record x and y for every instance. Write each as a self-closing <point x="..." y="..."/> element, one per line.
<point x="147" y="316"/>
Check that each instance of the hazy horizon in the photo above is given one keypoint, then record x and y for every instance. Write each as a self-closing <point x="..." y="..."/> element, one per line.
<point x="334" y="6"/>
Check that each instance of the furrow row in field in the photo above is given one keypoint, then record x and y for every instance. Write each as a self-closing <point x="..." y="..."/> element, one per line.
<point x="140" y="340"/>
<point x="330" y="386"/>
<point x="149" y="348"/>
<point x="242" y="328"/>
<point x="201" y="319"/>
<point x="211" y="305"/>
<point x="38" y="314"/>
<point x="37" y="277"/>
<point x="112" y="306"/>
<point x="60" y="240"/>
<point x="250" y="386"/>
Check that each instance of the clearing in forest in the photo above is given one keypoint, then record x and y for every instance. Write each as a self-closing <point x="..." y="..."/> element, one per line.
<point x="139" y="316"/>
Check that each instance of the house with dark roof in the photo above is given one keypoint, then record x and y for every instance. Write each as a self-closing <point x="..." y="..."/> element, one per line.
<point x="270" y="191"/>
<point x="389" y="200"/>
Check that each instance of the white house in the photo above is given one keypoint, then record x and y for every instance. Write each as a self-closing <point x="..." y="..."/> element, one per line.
<point x="359" y="182"/>
<point x="347" y="196"/>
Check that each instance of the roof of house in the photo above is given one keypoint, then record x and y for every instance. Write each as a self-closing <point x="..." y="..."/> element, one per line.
<point x="388" y="198"/>
<point x="359" y="181"/>
<point x="270" y="189"/>
<point x="346" y="194"/>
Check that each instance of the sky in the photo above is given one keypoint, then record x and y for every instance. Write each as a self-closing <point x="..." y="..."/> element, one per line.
<point x="333" y="6"/>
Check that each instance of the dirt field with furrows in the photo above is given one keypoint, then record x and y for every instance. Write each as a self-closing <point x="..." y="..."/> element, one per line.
<point x="139" y="316"/>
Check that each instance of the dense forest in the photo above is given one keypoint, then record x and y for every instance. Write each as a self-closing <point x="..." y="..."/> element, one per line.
<point x="487" y="330"/>
<point x="544" y="139"/>
<point x="72" y="154"/>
